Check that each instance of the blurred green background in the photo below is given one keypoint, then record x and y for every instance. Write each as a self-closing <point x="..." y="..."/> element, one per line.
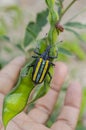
<point x="15" y="15"/>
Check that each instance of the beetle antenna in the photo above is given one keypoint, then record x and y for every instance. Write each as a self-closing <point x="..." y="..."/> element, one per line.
<point x="48" y="48"/>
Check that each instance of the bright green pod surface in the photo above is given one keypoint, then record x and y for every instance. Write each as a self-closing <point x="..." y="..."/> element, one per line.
<point x="39" y="91"/>
<point x="50" y="3"/>
<point x="53" y="17"/>
<point x="17" y="99"/>
<point x="53" y="35"/>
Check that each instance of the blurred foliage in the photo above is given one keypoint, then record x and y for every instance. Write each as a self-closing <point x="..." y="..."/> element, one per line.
<point x="10" y="16"/>
<point x="75" y="49"/>
<point x="34" y="28"/>
<point x="66" y="50"/>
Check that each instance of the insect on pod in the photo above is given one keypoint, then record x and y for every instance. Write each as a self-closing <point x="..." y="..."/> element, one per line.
<point x="41" y="66"/>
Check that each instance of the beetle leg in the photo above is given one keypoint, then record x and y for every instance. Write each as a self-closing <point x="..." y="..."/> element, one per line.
<point x="52" y="57"/>
<point x="26" y="70"/>
<point x="36" y="52"/>
<point x="31" y="65"/>
<point x="52" y="64"/>
<point x="34" y="56"/>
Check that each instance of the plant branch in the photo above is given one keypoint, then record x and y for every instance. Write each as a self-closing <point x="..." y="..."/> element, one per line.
<point x="76" y="15"/>
<point x="67" y="8"/>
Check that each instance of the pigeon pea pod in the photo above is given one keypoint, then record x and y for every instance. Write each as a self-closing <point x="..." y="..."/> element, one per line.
<point x="50" y="3"/>
<point x="16" y="100"/>
<point x="53" y="17"/>
<point x="52" y="35"/>
<point x="39" y="91"/>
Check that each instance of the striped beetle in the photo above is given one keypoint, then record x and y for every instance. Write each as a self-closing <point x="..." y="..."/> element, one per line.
<point x="41" y="66"/>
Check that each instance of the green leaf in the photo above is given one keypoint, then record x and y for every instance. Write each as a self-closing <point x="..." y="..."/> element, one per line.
<point x="41" y="19"/>
<point x="17" y="15"/>
<point x="77" y="25"/>
<point x="75" y="48"/>
<point x="16" y="100"/>
<point x="34" y="28"/>
<point x="62" y="57"/>
<point x="75" y="33"/>
<point x="64" y="51"/>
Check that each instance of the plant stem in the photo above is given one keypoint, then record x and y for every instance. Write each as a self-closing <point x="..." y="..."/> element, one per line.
<point x="67" y="8"/>
<point x="76" y="15"/>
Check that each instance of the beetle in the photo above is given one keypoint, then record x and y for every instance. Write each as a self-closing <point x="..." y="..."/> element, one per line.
<point x="42" y="65"/>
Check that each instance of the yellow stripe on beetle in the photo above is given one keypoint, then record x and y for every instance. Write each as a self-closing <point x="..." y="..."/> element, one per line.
<point x="44" y="72"/>
<point x="37" y="68"/>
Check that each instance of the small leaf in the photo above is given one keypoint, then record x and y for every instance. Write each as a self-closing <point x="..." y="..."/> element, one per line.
<point x="77" y="25"/>
<point x="76" y="49"/>
<point x="34" y="28"/>
<point x="16" y="100"/>
<point x="64" y="51"/>
<point x="42" y="18"/>
<point x="16" y="14"/>
<point x="75" y="33"/>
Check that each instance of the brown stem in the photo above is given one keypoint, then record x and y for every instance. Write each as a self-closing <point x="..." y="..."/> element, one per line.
<point x="67" y="9"/>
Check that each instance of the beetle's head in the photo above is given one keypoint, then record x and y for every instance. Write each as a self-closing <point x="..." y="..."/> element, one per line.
<point x="45" y="55"/>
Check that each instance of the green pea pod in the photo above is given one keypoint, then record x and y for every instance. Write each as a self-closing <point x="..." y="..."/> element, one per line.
<point x="52" y="35"/>
<point x="38" y="92"/>
<point x="53" y="17"/>
<point x="17" y="99"/>
<point x="50" y="3"/>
